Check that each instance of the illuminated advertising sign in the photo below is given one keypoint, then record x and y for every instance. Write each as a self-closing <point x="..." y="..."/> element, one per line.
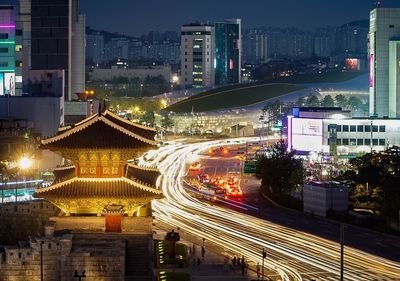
<point x="353" y="64"/>
<point x="371" y="70"/>
<point x="306" y="134"/>
<point x="1" y="84"/>
<point x="9" y="84"/>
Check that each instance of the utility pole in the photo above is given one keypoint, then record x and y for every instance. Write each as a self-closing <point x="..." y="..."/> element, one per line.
<point x="341" y="250"/>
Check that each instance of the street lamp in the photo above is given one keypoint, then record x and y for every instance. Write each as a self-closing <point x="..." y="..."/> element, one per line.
<point x="141" y="90"/>
<point x="24" y="163"/>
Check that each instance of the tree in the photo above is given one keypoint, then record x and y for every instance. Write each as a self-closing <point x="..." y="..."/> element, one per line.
<point x="341" y="101"/>
<point x="374" y="178"/>
<point x="328" y="101"/>
<point x="312" y="100"/>
<point x="166" y="122"/>
<point x="301" y="101"/>
<point x="354" y="103"/>
<point x="280" y="172"/>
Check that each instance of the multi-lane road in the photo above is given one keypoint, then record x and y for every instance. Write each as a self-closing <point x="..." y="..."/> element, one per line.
<point x="291" y="253"/>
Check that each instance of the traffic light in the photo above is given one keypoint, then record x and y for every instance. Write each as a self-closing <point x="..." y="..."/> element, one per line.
<point x="264" y="254"/>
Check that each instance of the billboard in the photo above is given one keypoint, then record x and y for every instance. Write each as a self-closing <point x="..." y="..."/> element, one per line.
<point x="1" y="84"/>
<point x="352" y="64"/>
<point x="9" y="84"/>
<point x="306" y="134"/>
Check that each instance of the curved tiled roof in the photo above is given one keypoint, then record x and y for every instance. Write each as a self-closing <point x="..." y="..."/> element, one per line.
<point x="147" y="175"/>
<point x="99" y="131"/>
<point x="98" y="188"/>
<point x="64" y="173"/>
<point x="144" y="131"/>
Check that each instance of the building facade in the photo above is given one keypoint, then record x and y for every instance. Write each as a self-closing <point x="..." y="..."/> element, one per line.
<point x="384" y="32"/>
<point x="228" y="48"/>
<point x="333" y="131"/>
<point x="7" y="51"/>
<point x="57" y="39"/>
<point x="197" y="56"/>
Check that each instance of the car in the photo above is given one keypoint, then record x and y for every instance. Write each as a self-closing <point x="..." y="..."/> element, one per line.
<point x="204" y="178"/>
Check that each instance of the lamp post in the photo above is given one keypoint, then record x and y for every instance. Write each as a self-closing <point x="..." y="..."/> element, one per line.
<point x="141" y="90"/>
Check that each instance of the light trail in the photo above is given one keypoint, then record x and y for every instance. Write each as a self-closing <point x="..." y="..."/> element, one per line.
<point x="292" y="254"/>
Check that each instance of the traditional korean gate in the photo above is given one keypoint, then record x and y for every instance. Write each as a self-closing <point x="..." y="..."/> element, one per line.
<point x="113" y="222"/>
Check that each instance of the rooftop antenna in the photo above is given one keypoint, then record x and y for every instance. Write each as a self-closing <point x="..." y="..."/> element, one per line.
<point x="378" y="3"/>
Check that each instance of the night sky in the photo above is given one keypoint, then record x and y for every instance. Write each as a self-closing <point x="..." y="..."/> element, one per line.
<point x="135" y="17"/>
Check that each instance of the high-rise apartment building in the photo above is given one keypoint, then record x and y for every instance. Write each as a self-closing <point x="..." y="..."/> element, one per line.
<point x="197" y="55"/>
<point x="384" y="36"/>
<point x="95" y="47"/>
<point x="228" y="48"/>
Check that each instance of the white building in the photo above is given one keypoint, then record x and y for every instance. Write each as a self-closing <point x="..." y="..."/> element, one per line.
<point x="197" y="56"/>
<point x="320" y="197"/>
<point x="383" y="48"/>
<point x="332" y="131"/>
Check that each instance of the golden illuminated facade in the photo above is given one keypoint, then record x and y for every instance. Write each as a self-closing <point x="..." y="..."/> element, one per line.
<point x="101" y="181"/>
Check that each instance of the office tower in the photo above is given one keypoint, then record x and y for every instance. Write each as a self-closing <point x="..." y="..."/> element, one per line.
<point x="197" y="55"/>
<point x="58" y="40"/>
<point x="95" y="47"/>
<point x="7" y="50"/>
<point x="228" y="52"/>
<point x="384" y="32"/>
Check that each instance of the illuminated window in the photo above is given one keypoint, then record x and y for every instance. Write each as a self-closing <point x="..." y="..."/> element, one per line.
<point x="18" y="48"/>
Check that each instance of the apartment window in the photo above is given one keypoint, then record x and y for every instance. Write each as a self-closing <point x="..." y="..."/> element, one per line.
<point x="3" y="50"/>
<point x="186" y="53"/>
<point x="18" y="32"/>
<point x="382" y="142"/>
<point x="360" y="128"/>
<point x="338" y="128"/>
<point x="185" y="66"/>
<point x="345" y="141"/>
<point x="185" y="59"/>
<point x="353" y="128"/>
<point x="345" y="128"/>
<point x="353" y="141"/>
<point x="3" y="64"/>
<point x="367" y="142"/>
<point x="375" y="142"/>
<point x="391" y="26"/>
<point x="367" y="128"/>
<point x="360" y="142"/>
<point x="382" y="128"/>
<point x="3" y="35"/>
<point x="374" y="128"/>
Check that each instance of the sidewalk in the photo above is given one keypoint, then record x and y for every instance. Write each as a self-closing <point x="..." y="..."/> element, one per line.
<point x="214" y="267"/>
